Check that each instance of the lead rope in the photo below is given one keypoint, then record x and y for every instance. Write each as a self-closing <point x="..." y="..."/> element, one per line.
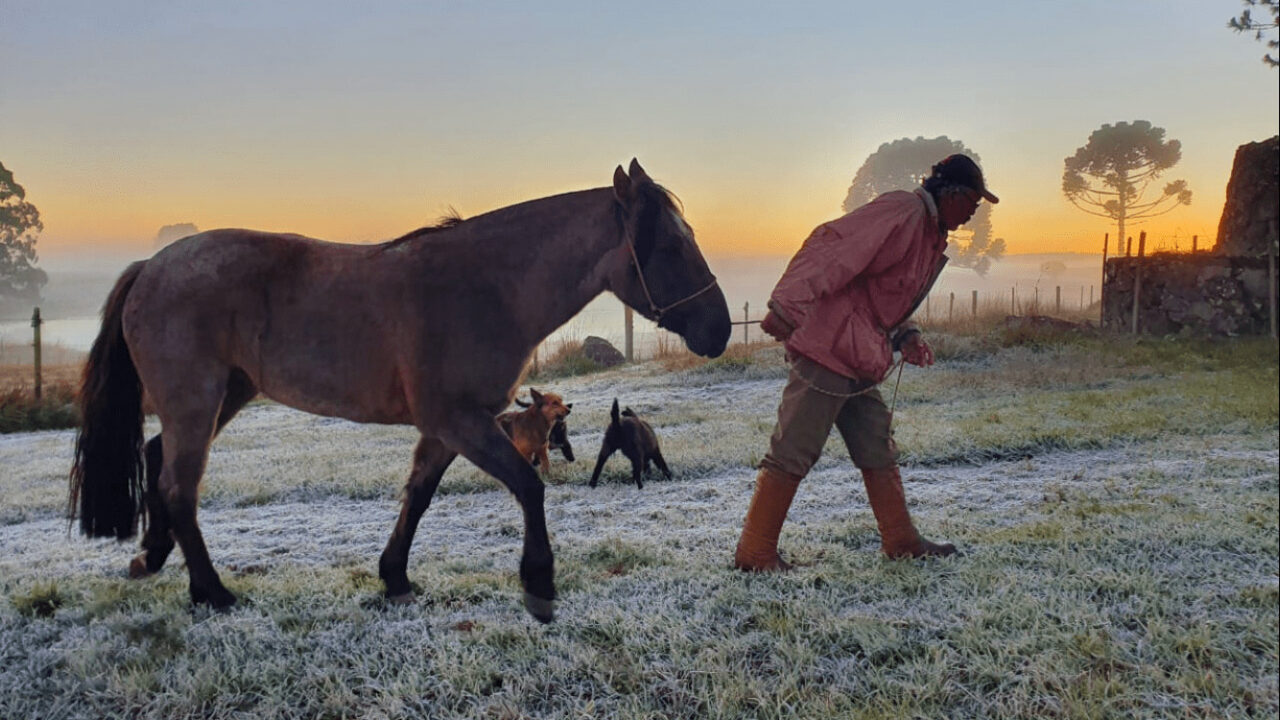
<point x="856" y="393"/>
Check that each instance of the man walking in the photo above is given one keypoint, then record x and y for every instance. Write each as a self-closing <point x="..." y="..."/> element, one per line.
<point x="841" y="308"/>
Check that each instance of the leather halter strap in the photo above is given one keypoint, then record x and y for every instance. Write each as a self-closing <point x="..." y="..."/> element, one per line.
<point x="653" y="306"/>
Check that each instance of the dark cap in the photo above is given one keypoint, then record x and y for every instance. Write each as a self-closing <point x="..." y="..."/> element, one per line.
<point x="962" y="170"/>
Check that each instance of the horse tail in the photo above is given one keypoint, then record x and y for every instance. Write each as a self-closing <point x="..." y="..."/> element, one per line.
<point x="107" y="476"/>
<point x="613" y="413"/>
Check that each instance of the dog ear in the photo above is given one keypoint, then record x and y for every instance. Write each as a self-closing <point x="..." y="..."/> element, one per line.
<point x="537" y="396"/>
<point x="614" y="412"/>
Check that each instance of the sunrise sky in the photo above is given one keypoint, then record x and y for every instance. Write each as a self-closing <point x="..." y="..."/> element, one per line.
<point x="360" y="121"/>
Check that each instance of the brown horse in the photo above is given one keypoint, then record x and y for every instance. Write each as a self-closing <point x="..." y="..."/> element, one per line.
<point x="431" y="329"/>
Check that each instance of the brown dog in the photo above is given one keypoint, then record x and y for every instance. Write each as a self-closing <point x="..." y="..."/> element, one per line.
<point x="529" y="428"/>
<point x="559" y="437"/>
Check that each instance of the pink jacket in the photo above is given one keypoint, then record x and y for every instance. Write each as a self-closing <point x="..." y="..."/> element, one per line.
<point x="857" y="279"/>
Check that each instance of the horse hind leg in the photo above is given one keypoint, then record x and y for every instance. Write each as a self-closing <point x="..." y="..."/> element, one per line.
<point x="158" y="540"/>
<point x="430" y="460"/>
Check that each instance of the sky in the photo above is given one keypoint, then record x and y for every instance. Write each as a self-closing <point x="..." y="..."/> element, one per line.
<point x="358" y="122"/>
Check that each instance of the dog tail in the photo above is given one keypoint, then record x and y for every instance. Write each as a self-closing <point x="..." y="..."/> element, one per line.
<point x="614" y="413"/>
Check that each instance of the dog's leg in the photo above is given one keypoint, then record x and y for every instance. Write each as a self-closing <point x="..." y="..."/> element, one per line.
<point x="637" y="470"/>
<point x="605" y="451"/>
<point x="661" y="463"/>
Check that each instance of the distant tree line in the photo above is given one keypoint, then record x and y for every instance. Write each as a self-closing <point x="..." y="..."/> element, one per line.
<point x="20" y="224"/>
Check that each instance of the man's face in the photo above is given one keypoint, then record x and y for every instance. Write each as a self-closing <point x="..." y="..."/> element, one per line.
<point x="957" y="205"/>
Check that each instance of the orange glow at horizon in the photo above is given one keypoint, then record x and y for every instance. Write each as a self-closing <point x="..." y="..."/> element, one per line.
<point x="726" y="223"/>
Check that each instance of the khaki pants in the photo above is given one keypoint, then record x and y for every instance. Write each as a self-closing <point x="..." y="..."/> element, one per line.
<point x="806" y="414"/>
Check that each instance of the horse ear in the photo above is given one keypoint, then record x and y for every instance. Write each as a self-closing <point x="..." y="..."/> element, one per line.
<point x="621" y="186"/>
<point x="638" y="175"/>
<point x="537" y="396"/>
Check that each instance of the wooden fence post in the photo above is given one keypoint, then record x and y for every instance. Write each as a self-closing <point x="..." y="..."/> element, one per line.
<point x="1128" y="248"/>
<point x="628" y="328"/>
<point x="36" y="322"/>
<point x="951" y="309"/>
<point x="1082" y="297"/>
<point x="746" y="320"/>
<point x="926" y="308"/>
<point x="975" y="304"/>
<point x="1102" y="313"/>
<point x="1271" y="271"/>
<point x="1194" y="241"/>
<point x="1013" y="300"/>
<point x="1137" y="278"/>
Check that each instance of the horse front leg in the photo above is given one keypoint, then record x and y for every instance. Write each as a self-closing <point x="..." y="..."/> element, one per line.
<point x="479" y="439"/>
<point x="430" y="460"/>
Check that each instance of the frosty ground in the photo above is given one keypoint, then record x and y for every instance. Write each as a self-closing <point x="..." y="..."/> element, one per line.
<point x="1117" y="511"/>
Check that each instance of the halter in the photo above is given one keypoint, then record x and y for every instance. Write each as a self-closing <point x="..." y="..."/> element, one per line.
<point x="653" y="306"/>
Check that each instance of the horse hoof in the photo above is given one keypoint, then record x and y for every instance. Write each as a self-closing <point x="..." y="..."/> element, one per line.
<point x="401" y="599"/>
<point x="544" y="611"/>
<point x="138" y="568"/>
<point x="220" y="599"/>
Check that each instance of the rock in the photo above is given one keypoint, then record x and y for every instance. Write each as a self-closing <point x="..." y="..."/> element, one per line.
<point x="1041" y="322"/>
<point x="1251" y="215"/>
<point x="601" y="351"/>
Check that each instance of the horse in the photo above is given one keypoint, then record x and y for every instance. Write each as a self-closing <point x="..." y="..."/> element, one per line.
<point x="431" y="329"/>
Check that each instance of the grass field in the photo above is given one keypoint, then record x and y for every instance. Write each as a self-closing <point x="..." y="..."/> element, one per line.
<point x="1116" y="502"/>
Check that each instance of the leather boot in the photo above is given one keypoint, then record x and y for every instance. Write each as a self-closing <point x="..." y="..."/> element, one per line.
<point x="898" y="536"/>
<point x="758" y="546"/>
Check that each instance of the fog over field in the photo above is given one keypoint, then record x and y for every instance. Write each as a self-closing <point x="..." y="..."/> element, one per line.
<point x="78" y="286"/>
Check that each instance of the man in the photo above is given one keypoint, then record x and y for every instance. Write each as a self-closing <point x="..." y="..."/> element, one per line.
<point x="841" y="309"/>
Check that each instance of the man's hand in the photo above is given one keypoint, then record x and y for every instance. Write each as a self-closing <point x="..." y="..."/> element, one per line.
<point x="776" y="326"/>
<point x="916" y="351"/>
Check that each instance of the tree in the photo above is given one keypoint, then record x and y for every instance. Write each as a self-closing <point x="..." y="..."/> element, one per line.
<point x="20" y="222"/>
<point x="1246" y="23"/>
<point x="1108" y="176"/>
<point x="902" y="165"/>
<point x="168" y="233"/>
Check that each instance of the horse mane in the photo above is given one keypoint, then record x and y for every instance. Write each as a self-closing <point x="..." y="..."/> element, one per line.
<point x="448" y="221"/>
<point x="452" y="219"/>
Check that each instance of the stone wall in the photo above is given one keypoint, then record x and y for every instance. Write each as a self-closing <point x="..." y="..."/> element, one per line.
<point x="1182" y="293"/>
<point x="1225" y="292"/>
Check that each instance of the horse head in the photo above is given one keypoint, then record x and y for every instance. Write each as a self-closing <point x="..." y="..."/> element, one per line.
<point x="665" y="278"/>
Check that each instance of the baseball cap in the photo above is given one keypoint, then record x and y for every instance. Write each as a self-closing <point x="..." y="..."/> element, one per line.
<point x="962" y="170"/>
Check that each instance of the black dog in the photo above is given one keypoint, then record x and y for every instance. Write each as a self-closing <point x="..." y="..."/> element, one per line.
<point x="559" y="437"/>
<point x="633" y="436"/>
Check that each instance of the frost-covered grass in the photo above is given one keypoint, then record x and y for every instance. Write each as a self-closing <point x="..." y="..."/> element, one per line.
<point x="1117" y="505"/>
